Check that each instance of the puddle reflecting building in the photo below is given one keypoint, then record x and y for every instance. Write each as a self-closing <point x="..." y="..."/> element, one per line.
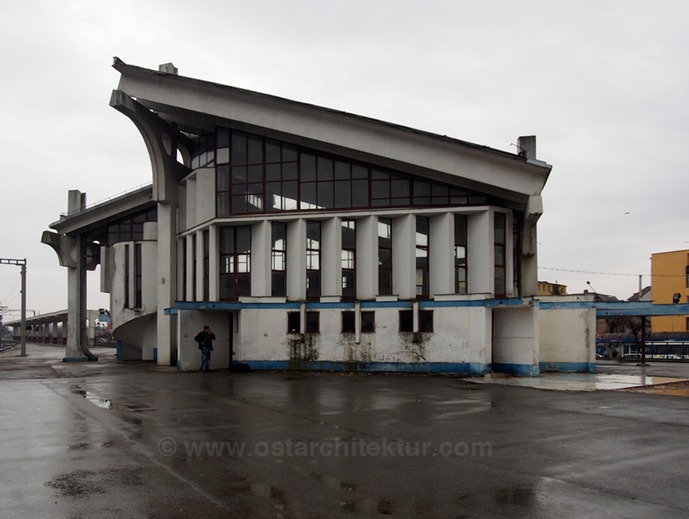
<point x="312" y="238"/>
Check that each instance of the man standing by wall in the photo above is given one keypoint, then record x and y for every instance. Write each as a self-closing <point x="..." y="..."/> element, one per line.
<point x="205" y="339"/>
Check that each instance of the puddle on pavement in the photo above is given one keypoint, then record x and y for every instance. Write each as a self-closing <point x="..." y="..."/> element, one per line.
<point x="576" y="381"/>
<point x="94" y="399"/>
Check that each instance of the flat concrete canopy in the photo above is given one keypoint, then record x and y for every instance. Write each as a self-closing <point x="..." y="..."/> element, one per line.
<point x="620" y="308"/>
<point x="138" y="440"/>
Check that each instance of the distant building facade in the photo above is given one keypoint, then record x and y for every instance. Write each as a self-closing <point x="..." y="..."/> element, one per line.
<point x="309" y="238"/>
<point x="546" y="288"/>
<point x="670" y="284"/>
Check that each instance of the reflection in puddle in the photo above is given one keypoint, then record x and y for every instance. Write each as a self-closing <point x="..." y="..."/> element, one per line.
<point x="576" y="381"/>
<point x="100" y="402"/>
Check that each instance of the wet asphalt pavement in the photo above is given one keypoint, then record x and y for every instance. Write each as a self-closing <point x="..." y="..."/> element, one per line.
<point x="135" y="440"/>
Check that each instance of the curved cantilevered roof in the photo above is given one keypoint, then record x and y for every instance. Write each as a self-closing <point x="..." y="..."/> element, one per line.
<point x="197" y="106"/>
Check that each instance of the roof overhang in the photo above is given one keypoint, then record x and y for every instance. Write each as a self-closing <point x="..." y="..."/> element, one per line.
<point x="197" y="106"/>
<point x="89" y="218"/>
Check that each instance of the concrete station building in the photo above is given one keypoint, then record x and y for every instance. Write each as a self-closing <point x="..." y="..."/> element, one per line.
<point x="311" y="238"/>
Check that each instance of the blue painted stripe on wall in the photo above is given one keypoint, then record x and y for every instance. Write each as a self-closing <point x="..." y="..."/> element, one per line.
<point x="568" y="367"/>
<point x="520" y="370"/>
<point x="490" y="303"/>
<point x="386" y="304"/>
<point x="314" y="305"/>
<point x="620" y="308"/>
<point x="271" y="306"/>
<point x="471" y="368"/>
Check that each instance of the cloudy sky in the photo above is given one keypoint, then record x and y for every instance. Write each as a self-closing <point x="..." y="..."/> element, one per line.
<point x="604" y="85"/>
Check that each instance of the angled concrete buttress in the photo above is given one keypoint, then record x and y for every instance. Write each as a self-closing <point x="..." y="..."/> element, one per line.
<point x="163" y="141"/>
<point x="75" y="253"/>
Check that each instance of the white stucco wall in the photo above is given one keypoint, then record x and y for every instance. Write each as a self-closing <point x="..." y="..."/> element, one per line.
<point x="515" y="339"/>
<point x="567" y="337"/>
<point x="462" y="336"/>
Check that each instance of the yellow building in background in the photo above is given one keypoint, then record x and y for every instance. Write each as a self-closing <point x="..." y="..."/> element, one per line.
<point x="546" y="288"/>
<point x="669" y="277"/>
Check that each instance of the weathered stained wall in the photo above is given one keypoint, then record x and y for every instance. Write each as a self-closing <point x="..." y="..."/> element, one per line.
<point x="567" y="337"/>
<point x="461" y="342"/>
<point x="515" y="340"/>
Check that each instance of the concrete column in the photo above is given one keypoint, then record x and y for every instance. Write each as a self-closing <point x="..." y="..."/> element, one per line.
<point x="166" y="333"/>
<point x="366" y="258"/>
<point x="199" y="266"/>
<point x="296" y="260"/>
<point x="261" y="259"/>
<point x="189" y="276"/>
<point x="404" y="256"/>
<point x="331" y="257"/>
<point x="441" y="252"/>
<point x="214" y="263"/>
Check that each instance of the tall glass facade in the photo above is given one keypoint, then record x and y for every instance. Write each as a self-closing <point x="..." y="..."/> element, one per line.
<point x="256" y="174"/>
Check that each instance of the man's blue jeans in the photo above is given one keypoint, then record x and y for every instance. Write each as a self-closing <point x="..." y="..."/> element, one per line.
<point x="205" y="358"/>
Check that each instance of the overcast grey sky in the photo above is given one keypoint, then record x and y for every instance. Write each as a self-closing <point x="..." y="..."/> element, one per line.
<point x="604" y="85"/>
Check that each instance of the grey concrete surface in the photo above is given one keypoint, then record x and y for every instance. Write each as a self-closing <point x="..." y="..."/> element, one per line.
<point x="109" y="439"/>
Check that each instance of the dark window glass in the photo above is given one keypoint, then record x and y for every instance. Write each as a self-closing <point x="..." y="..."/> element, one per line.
<point x="238" y="148"/>
<point x="348" y="322"/>
<point x="426" y="321"/>
<point x="313" y="322"/>
<point x="385" y="256"/>
<point x="289" y="171"/>
<point x="308" y="167"/>
<point x="313" y="259"/>
<point x="499" y="227"/>
<point x="460" y="254"/>
<point x="368" y="322"/>
<point x="235" y="262"/>
<point x="255" y="151"/>
<point x="342" y="170"/>
<point x="360" y="193"/>
<point x="348" y="260"/>
<point x="325" y="169"/>
<point x="406" y="321"/>
<point x="279" y="259"/>
<point x="130" y="228"/>
<point x="293" y="322"/>
<point x="422" y="260"/>
<point x="343" y="197"/>
<point x="272" y="151"/>
<point x="325" y="195"/>
<point x="289" y="153"/>
<point x="324" y="181"/>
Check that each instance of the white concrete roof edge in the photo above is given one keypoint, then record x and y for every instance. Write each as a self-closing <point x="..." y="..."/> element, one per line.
<point x="331" y="127"/>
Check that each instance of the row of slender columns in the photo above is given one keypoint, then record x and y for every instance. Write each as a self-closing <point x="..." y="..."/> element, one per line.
<point x="480" y="256"/>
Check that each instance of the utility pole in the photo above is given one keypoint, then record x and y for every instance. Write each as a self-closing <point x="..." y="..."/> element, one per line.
<point x="22" y="264"/>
